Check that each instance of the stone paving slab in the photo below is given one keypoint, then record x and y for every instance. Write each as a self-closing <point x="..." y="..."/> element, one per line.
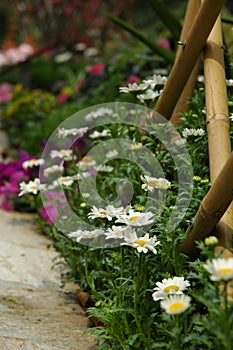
<point x="35" y="313"/>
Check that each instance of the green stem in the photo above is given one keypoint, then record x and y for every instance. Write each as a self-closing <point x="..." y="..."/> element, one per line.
<point x="137" y="311"/>
<point x="88" y="279"/>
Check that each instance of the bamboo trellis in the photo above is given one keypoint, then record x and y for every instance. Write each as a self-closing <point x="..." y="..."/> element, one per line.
<point x="215" y="214"/>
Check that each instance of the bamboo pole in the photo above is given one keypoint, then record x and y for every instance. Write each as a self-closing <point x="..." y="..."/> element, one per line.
<point x="192" y="48"/>
<point x="217" y="119"/>
<point x="182" y="104"/>
<point x="210" y="211"/>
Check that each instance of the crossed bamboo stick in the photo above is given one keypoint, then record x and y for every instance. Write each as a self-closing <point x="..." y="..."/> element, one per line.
<point x="201" y="38"/>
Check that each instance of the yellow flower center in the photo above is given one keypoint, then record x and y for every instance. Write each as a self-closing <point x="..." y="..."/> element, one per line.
<point x="134" y="218"/>
<point x="176" y="306"/>
<point x="103" y="212"/>
<point x="63" y="152"/>
<point x="87" y="159"/>
<point x="33" y="187"/>
<point x="141" y="242"/>
<point x="226" y="271"/>
<point x="152" y="183"/>
<point x="169" y="288"/>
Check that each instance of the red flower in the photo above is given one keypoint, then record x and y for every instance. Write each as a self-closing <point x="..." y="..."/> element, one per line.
<point x="96" y="69"/>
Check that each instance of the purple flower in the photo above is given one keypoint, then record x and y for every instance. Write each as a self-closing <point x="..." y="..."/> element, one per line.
<point x="48" y="213"/>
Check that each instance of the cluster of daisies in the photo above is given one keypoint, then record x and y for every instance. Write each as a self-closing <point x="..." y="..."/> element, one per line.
<point x="170" y="291"/>
<point x="125" y="221"/>
<point x="148" y="90"/>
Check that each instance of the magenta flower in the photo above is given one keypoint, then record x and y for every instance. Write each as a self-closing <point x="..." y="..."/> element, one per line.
<point x="164" y="43"/>
<point x="48" y="213"/>
<point x="132" y="79"/>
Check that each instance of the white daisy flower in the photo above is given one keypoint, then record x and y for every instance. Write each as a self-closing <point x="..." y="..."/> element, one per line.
<point x="53" y="169"/>
<point x="112" y="154"/>
<point x="155" y="80"/>
<point x="66" y="180"/>
<point x="63" y="154"/>
<point x="150" y="95"/>
<point x="231" y="116"/>
<point x="174" y="285"/>
<point x="86" y="163"/>
<point x="220" y="269"/>
<point x="136" y="145"/>
<point x="104" y="168"/>
<point x="32" y="187"/>
<point x="109" y="212"/>
<point x="151" y="183"/>
<point x="176" y="304"/>
<point x="229" y="82"/>
<point x="180" y="142"/>
<point x="118" y="232"/>
<point x="193" y="132"/>
<point x="96" y="134"/>
<point x="32" y="162"/>
<point x="133" y="88"/>
<point x="100" y="112"/>
<point x="66" y="132"/>
<point x="142" y="244"/>
<point x="84" y="234"/>
<point x="63" y="57"/>
<point x="135" y="218"/>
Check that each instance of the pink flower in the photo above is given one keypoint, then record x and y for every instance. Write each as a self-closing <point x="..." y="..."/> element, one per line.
<point x="62" y="97"/>
<point x="132" y="79"/>
<point x="96" y="69"/>
<point x="5" y="92"/>
<point x="165" y="43"/>
<point x="48" y="213"/>
<point x="3" y="59"/>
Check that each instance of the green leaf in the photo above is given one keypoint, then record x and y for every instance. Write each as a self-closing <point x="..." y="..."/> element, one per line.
<point x="158" y="49"/>
<point x="167" y="17"/>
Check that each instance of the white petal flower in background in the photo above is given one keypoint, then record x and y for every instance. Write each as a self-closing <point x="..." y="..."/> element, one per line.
<point x="66" y="132"/>
<point x="32" y="162"/>
<point x="111" y="154"/>
<point x="63" y="154"/>
<point x="155" y="80"/>
<point x="180" y="142"/>
<point x="142" y="244"/>
<point x="133" y="88"/>
<point x="220" y="269"/>
<point x="104" y="168"/>
<point x="66" y="180"/>
<point x="53" y="169"/>
<point x="85" y="234"/>
<point x="96" y="134"/>
<point x="193" y="132"/>
<point x="107" y="213"/>
<point x="86" y="163"/>
<point x="136" y="145"/>
<point x="151" y="183"/>
<point x="149" y="95"/>
<point x="135" y="218"/>
<point x="31" y="187"/>
<point x="175" y="285"/>
<point x="176" y="304"/>
<point x="100" y="112"/>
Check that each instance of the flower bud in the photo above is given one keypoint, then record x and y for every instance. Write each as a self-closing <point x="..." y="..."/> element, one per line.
<point x="211" y="240"/>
